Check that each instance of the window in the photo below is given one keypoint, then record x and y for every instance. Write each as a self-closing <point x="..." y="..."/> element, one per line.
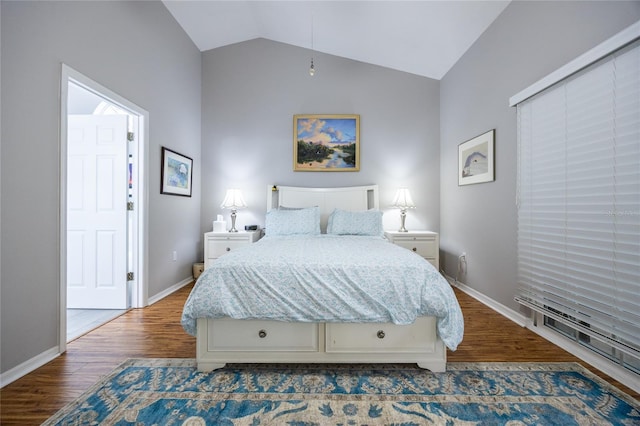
<point x="579" y="205"/>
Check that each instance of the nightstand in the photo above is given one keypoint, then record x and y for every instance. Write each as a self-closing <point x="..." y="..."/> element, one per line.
<point x="218" y="243"/>
<point x="425" y="243"/>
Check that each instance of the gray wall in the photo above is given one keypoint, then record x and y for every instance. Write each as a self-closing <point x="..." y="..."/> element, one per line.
<point x="410" y="129"/>
<point x="251" y="91"/>
<point x="137" y="50"/>
<point x="527" y="41"/>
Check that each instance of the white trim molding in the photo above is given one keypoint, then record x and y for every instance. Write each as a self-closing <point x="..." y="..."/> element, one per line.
<point x="141" y="267"/>
<point x="503" y="310"/>
<point x="170" y="290"/>
<point x="28" y="366"/>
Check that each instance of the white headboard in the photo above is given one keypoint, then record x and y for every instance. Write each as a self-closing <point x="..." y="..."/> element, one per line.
<point x="353" y="198"/>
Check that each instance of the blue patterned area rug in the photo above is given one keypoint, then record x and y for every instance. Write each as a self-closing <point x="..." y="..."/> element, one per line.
<point x="172" y="392"/>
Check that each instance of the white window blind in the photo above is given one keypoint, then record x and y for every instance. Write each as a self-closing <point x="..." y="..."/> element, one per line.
<point x="579" y="200"/>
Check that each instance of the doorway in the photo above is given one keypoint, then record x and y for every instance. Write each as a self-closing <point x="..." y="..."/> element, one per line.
<point x="103" y="227"/>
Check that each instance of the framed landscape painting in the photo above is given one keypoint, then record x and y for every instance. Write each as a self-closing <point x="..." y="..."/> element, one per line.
<point x="326" y="143"/>
<point x="476" y="159"/>
<point x="176" y="173"/>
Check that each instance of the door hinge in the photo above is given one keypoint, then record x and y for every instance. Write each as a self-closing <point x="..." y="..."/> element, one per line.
<point x="129" y="276"/>
<point x="130" y="136"/>
<point x="130" y="206"/>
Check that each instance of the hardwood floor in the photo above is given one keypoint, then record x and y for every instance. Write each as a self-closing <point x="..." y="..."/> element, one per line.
<point x="155" y="332"/>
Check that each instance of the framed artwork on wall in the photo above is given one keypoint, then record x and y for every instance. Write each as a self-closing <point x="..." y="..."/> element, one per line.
<point x="176" y="173"/>
<point x="476" y="159"/>
<point x="326" y="143"/>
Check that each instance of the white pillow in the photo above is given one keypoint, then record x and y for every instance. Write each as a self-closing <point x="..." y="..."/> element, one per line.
<point x="293" y="222"/>
<point x="343" y="222"/>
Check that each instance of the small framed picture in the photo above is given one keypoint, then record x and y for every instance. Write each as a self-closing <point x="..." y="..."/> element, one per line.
<point x="176" y="173"/>
<point x="326" y="143"/>
<point x="476" y="159"/>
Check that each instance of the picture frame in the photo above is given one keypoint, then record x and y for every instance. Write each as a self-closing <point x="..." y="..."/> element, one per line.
<point x="476" y="159"/>
<point x="326" y="142"/>
<point x="176" y="173"/>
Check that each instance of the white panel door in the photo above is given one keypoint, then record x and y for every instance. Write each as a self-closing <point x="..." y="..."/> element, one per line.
<point x="97" y="212"/>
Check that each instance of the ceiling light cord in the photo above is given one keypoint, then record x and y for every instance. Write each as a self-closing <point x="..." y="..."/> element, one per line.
<point x="312" y="70"/>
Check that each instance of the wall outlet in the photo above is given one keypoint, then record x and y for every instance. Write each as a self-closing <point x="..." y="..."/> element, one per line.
<point x="462" y="262"/>
<point x="174" y="255"/>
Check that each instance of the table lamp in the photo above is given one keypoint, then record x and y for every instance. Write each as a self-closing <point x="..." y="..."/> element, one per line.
<point x="403" y="201"/>
<point x="234" y="201"/>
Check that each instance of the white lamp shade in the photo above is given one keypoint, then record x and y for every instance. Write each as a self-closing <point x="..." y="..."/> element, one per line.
<point x="403" y="200"/>
<point x="233" y="200"/>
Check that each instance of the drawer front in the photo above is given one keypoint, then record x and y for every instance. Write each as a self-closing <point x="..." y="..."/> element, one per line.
<point x="425" y="247"/>
<point x="376" y="337"/>
<point x="255" y="335"/>
<point x="218" y="247"/>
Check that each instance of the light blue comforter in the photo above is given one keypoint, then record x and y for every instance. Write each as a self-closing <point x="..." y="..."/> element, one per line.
<point x="325" y="278"/>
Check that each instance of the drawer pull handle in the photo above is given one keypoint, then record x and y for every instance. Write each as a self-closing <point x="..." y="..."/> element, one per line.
<point x="228" y="248"/>
<point x="380" y="334"/>
<point x="262" y="334"/>
<point x="414" y="249"/>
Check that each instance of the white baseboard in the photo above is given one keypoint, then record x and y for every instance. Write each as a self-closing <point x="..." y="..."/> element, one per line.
<point x="28" y="366"/>
<point x="50" y="354"/>
<point x="170" y="290"/>
<point x="514" y="316"/>
<point x="618" y="373"/>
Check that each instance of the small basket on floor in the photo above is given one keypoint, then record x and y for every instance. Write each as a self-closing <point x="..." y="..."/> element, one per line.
<point x="197" y="270"/>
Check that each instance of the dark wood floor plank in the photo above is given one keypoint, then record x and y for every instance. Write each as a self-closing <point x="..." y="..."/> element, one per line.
<point x="155" y="332"/>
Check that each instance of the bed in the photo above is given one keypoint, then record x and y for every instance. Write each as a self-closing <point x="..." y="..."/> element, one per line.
<point x="322" y="286"/>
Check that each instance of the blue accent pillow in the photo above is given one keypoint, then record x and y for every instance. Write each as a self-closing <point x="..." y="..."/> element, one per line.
<point x="293" y="222"/>
<point x="343" y="222"/>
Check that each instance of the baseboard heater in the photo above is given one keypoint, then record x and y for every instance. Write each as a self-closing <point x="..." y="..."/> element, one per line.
<point x="578" y="326"/>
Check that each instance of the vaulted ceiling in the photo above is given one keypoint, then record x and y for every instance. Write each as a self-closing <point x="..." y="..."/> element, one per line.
<point x="420" y="37"/>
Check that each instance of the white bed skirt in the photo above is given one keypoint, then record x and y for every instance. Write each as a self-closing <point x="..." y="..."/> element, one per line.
<point x="224" y="340"/>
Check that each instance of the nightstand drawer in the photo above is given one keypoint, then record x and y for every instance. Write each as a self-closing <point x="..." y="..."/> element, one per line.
<point x="218" y="247"/>
<point x="424" y="247"/>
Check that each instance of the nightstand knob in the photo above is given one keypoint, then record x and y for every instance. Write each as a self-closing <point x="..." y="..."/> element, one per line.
<point x="262" y="334"/>
<point x="380" y="334"/>
<point x="228" y="248"/>
<point x="414" y="249"/>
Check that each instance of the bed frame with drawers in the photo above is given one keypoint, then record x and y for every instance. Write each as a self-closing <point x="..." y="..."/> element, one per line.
<point x="225" y="340"/>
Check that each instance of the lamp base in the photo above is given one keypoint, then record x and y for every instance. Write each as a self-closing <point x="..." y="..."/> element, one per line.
<point x="403" y="216"/>
<point x="233" y="221"/>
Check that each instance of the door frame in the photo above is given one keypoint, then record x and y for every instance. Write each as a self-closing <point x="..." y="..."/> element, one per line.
<point x="139" y="295"/>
